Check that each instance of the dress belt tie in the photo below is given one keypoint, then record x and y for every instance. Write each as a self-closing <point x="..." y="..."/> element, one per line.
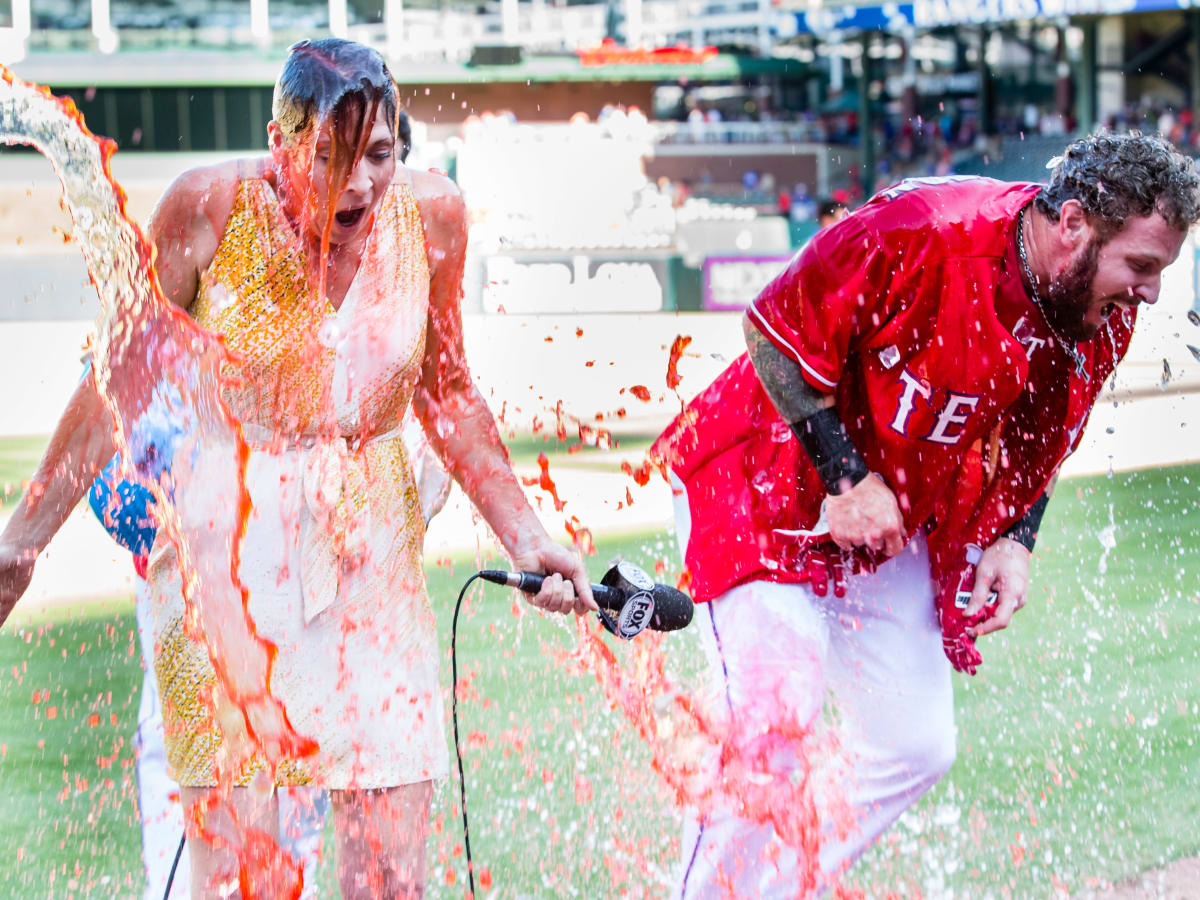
<point x="335" y="537"/>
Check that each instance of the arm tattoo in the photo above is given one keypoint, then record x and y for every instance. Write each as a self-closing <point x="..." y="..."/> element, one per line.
<point x="783" y="379"/>
<point x="809" y="413"/>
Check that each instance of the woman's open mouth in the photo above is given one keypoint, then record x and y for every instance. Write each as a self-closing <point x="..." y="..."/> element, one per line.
<point x="348" y="218"/>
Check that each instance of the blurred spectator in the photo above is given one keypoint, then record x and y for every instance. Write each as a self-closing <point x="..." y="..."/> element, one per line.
<point x="831" y="211"/>
<point x="803" y="206"/>
<point x="404" y="134"/>
<point x="945" y="163"/>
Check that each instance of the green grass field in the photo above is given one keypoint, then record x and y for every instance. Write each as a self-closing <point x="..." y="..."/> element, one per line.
<point x="18" y="458"/>
<point x="524" y="450"/>
<point x="1079" y="756"/>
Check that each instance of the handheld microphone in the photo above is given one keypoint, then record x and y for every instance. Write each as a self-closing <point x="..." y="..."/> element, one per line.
<point x="625" y="590"/>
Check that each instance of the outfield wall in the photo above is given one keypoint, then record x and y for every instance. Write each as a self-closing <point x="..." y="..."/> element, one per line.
<point x="525" y="365"/>
<point x="524" y="375"/>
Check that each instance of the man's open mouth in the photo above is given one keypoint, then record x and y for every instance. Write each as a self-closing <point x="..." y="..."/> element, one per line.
<point x="348" y="218"/>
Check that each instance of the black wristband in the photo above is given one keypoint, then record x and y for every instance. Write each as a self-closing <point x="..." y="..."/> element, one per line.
<point x="1025" y="530"/>
<point x="834" y="455"/>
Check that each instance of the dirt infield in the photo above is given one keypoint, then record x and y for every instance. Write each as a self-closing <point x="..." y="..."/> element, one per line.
<point x="1178" y="881"/>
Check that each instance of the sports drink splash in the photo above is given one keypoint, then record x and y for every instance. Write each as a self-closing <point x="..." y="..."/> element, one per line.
<point x="153" y="364"/>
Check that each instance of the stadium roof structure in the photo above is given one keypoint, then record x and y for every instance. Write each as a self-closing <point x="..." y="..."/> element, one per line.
<point x="828" y="16"/>
<point x="195" y="68"/>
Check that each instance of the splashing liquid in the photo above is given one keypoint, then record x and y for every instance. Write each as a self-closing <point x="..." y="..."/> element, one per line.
<point x="152" y="360"/>
<point x="710" y="762"/>
<point x="154" y="363"/>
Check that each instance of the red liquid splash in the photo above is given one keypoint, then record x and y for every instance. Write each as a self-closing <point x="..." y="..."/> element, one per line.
<point x="146" y="344"/>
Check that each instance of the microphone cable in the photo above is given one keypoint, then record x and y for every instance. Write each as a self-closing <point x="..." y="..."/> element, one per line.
<point x="605" y="618"/>
<point x="175" y="865"/>
<point x="462" y="781"/>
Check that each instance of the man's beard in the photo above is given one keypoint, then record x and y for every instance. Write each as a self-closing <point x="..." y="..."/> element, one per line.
<point x="1070" y="296"/>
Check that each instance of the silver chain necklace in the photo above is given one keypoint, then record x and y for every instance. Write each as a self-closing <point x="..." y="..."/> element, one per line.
<point x="1068" y="347"/>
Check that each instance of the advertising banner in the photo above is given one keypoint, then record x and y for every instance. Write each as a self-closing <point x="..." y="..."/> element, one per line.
<point x="548" y="283"/>
<point x="732" y="282"/>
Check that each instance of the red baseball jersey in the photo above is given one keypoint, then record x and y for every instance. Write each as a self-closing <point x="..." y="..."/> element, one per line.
<point x="912" y="313"/>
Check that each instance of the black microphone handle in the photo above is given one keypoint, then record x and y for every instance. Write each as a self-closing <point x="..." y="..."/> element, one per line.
<point x="673" y="608"/>
<point x="606" y="597"/>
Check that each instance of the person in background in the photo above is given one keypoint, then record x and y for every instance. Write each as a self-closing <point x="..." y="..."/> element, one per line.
<point x="830" y="212"/>
<point x="803" y="205"/>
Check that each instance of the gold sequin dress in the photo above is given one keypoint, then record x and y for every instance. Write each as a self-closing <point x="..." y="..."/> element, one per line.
<point x="332" y="551"/>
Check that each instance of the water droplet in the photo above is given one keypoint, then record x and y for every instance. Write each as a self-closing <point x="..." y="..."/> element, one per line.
<point x="1195" y="351"/>
<point x="330" y="332"/>
<point x="1194" y="317"/>
<point x="1166" y="373"/>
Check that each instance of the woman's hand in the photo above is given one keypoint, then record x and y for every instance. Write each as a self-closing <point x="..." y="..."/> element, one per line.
<point x="566" y="589"/>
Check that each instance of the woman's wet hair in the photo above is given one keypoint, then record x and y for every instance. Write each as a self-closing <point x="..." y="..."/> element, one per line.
<point x="339" y="85"/>
<point x="330" y="78"/>
<point x="1115" y="177"/>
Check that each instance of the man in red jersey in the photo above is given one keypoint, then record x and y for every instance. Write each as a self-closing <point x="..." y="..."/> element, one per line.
<point x="858" y="496"/>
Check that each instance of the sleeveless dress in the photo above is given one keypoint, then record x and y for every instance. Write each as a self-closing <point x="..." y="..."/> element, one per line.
<point x="332" y="556"/>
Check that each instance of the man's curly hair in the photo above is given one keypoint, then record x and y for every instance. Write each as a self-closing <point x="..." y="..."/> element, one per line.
<point x="1118" y="176"/>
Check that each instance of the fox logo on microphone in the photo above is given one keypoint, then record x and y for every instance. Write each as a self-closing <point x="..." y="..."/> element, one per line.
<point x="635" y="615"/>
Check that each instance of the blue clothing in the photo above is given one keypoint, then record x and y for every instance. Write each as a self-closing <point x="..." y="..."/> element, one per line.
<point x="125" y="508"/>
<point x="128" y="516"/>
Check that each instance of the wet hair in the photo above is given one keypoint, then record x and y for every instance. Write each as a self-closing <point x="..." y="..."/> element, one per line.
<point x="403" y="135"/>
<point x="340" y="84"/>
<point x="1115" y="177"/>
<point x="829" y="208"/>
<point x="328" y="78"/>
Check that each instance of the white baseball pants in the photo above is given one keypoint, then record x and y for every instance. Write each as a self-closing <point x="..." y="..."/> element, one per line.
<point x="876" y="655"/>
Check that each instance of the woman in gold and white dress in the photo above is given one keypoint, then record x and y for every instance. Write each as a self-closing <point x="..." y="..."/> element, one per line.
<point x="334" y="275"/>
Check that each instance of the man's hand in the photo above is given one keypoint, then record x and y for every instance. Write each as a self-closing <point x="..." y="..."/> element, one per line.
<point x="867" y="515"/>
<point x="16" y="571"/>
<point x="1004" y="569"/>
<point x="559" y="594"/>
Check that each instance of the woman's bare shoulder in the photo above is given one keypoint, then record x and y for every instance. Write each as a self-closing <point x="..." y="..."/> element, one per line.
<point x="188" y="222"/>
<point x="204" y="196"/>
<point x="438" y="194"/>
<point x="443" y="210"/>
